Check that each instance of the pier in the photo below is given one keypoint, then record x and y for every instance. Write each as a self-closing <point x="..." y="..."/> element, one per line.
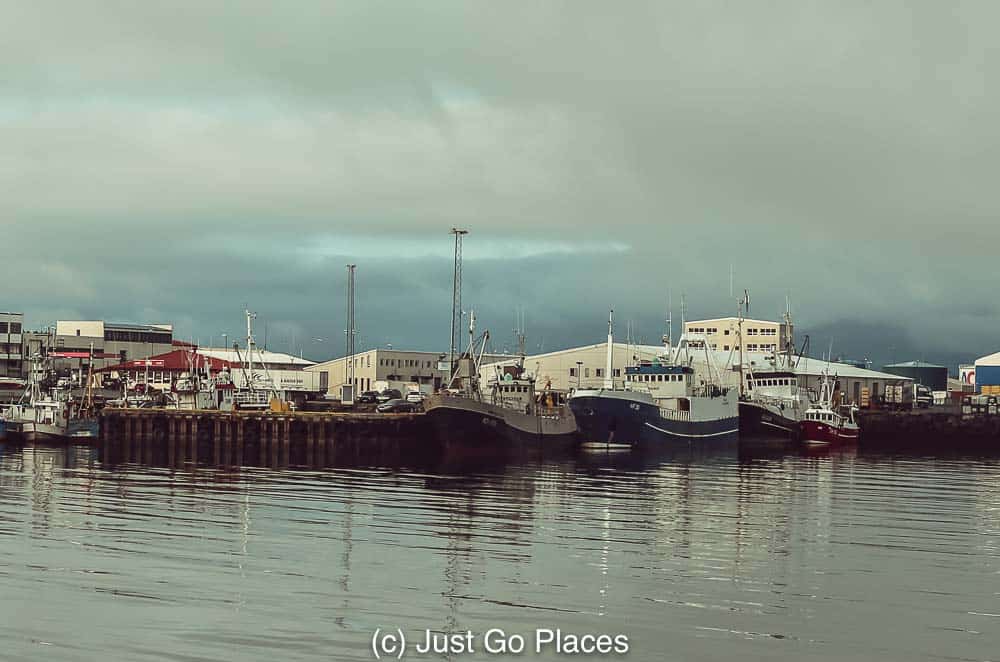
<point x="940" y="427"/>
<point x="268" y="437"/>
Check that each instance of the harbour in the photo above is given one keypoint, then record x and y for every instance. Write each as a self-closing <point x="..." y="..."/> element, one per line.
<point x="783" y="555"/>
<point x="342" y="331"/>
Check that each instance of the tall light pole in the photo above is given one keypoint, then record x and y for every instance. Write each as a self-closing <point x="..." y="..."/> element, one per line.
<point x="579" y="374"/>
<point x="456" y="298"/>
<point x="349" y="360"/>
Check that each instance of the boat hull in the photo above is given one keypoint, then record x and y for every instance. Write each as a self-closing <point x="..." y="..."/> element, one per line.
<point x="469" y="423"/>
<point x="759" y="420"/>
<point x="613" y="418"/>
<point x="83" y="428"/>
<point x="31" y="431"/>
<point x="819" y="433"/>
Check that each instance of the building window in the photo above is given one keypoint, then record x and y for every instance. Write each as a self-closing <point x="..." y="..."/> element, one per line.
<point x="725" y="348"/>
<point x="726" y="332"/>
<point x="572" y="372"/>
<point x="586" y="372"/>
<point x="599" y="372"/>
<point x="616" y="372"/>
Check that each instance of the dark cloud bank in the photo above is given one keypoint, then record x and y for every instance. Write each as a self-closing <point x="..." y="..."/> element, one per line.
<point x="178" y="162"/>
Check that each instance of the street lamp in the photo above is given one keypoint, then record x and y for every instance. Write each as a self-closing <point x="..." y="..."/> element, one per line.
<point x="579" y="373"/>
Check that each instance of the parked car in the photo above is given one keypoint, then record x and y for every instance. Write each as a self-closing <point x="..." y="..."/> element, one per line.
<point x="368" y="397"/>
<point x="396" y="406"/>
<point x="389" y="394"/>
<point x="415" y="397"/>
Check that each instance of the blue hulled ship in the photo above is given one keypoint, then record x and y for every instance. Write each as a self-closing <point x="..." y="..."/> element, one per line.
<point x="661" y="402"/>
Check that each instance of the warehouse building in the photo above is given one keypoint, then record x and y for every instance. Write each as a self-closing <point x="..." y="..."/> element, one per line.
<point x="986" y="375"/>
<point x="934" y="377"/>
<point x="584" y="367"/>
<point x="579" y="367"/>
<point x="287" y="372"/>
<point x="378" y="369"/>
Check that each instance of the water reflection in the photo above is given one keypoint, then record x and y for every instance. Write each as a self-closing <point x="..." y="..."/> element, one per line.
<point x="143" y="552"/>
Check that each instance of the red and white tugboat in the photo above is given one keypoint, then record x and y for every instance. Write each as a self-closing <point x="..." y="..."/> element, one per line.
<point x="824" y="425"/>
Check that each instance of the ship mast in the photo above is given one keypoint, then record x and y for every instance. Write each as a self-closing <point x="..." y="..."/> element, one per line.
<point x="744" y="306"/>
<point x="609" y="382"/>
<point x="250" y="345"/>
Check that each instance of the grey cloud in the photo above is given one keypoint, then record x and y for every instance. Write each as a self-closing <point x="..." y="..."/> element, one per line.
<point x="178" y="159"/>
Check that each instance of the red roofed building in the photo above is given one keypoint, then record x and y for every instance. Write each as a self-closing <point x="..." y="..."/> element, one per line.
<point x="164" y="369"/>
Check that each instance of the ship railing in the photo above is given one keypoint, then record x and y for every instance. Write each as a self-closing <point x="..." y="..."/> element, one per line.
<point x="675" y="414"/>
<point x="554" y="413"/>
<point x="252" y="398"/>
<point x="776" y="402"/>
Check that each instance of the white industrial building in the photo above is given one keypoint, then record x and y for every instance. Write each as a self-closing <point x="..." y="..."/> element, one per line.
<point x="722" y="334"/>
<point x="378" y="369"/>
<point x="584" y="367"/>
<point x="287" y="372"/>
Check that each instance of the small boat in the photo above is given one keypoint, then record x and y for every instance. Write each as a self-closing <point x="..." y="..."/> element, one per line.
<point x="40" y="416"/>
<point x="39" y="419"/>
<point x="825" y="423"/>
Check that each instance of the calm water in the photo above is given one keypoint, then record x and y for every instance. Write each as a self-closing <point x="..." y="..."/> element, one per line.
<point x="772" y="555"/>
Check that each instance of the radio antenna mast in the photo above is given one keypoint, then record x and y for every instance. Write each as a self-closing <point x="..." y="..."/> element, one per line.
<point x="456" y="299"/>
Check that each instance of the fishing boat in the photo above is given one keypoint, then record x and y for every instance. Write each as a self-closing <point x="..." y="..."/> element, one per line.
<point x="771" y="401"/>
<point x="827" y="422"/>
<point x="197" y="389"/>
<point x="509" y="413"/>
<point x="257" y="392"/>
<point x="661" y="403"/>
<point x="47" y="415"/>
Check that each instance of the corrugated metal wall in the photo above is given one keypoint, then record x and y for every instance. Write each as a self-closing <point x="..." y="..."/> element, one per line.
<point x="935" y="379"/>
<point x="987" y="375"/>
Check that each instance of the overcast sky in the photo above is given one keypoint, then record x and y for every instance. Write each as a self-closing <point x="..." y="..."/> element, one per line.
<point x="175" y="161"/>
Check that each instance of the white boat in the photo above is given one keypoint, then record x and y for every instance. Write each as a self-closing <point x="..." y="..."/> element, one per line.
<point x="197" y="389"/>
<point x="36" y="416"/>
<point x="258" y="390"/>
<point x="45" y="416"/>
